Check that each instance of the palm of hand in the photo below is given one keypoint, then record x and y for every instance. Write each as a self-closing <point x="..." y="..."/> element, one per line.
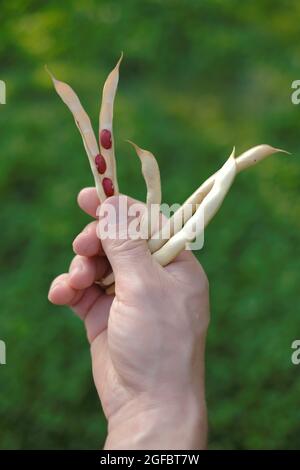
<point x="148" y="343"/>
<point x="146" y="337"/>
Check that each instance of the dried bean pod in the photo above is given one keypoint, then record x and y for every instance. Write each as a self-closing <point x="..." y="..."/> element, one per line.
<point x="83" y="123"/>
<point x="151" y="174"/>
<point x="247" y="159"/>
<point x="106" y="140"/>
<point x="207" y="209"/>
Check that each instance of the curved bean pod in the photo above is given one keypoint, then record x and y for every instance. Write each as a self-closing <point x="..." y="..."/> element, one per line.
<point x="151" y="174"/>
<point x="196" y="224"/>
<point x="203" y="215"/>
<point x="84" y="126"/>
<point x="247" y="159"/>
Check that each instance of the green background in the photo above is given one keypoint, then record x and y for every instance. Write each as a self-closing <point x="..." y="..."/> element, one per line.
<point x="197" y="78"/>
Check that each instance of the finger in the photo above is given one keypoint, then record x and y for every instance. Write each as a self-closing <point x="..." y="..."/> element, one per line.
<point x="97" y="318"/>
<point x="91" y="304"/>
<point x="88" y="201"/>
<point x="85" y="271"/>
<point x="87" y="242"/>
<point x="88" y="299"/>
<point x="61" y="292"/>
<point x="128" y="254"/>
<point x="93" y="308"/>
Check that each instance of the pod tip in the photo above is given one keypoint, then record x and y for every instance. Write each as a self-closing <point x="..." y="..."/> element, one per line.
<point x="132" y="143"/>
<point x="282" y="151"/>
<point x="50" y="73"/>
<point x="274" y="149"/>
<point x="141" y="152"/>
<point x="120" y="60"/>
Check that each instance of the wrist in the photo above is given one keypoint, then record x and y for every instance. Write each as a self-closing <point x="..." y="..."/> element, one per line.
<point x="171" y="422"/>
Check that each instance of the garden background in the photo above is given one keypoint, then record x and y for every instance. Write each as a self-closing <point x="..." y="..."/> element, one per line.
<point x="197" y="78"/>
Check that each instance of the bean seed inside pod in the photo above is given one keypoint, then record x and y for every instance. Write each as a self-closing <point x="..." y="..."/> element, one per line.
<point x="108" y="187"/>
<point x="105" y="138"/>
<point x="100" y="164"/>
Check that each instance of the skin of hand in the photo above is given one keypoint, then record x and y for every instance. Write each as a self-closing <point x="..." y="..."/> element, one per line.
<point x="147" y="341"/>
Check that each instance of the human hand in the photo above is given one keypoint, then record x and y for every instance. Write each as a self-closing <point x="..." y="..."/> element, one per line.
<point x="147" y="341"/>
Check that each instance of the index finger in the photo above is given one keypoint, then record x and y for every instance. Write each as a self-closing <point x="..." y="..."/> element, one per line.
<point x="88" y="201"/>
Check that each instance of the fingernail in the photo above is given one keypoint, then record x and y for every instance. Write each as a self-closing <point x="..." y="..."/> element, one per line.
<point x="79" y="236"/>
<point x="53" y="289"/>
<point x="86" y="229"/>
<point x="57" y="284"/>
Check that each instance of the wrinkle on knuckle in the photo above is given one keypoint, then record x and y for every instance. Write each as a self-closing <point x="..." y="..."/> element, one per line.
<point x="128" y="249"/>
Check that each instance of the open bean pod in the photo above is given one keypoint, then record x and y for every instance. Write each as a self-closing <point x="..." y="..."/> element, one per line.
<point x="185" y="225"/>
<point x="107" y="161"/>
<point x="84" y="126"/>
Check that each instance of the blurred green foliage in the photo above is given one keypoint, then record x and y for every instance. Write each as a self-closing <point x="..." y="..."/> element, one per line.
<point x="197" y="78"/>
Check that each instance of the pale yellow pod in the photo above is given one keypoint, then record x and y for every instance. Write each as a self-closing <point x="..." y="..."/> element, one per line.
<point x="108" y="280"/>
<point x="247" y="159"/>
<point x="110" y="290"/>
<point x="203" y="215"/>
<point x="151" y="174"/>
<point x="84" y="126"/>
<point x="106" y="140"/>
<point x="255" y="155"/>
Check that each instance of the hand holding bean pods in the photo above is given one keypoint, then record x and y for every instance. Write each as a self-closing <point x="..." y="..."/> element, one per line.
<point x="204" y="202"/>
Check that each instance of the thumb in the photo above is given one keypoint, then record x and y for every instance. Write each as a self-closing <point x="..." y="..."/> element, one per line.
<point x="124" y="246"/>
